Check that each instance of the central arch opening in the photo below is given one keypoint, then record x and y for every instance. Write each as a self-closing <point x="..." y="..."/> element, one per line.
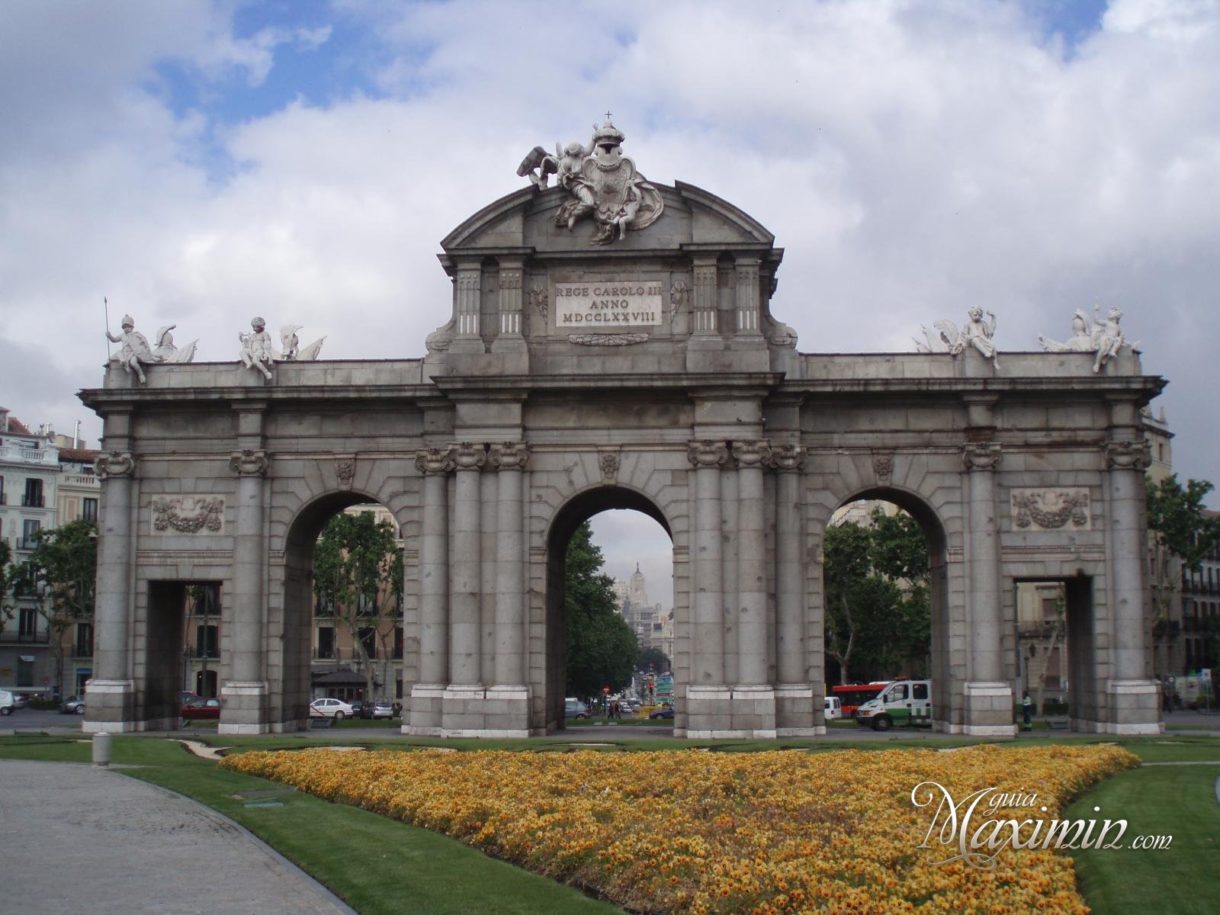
<point x="609" y="627"/>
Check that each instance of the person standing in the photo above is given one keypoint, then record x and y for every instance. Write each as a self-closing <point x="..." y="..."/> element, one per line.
<point x="1027" y="710"/>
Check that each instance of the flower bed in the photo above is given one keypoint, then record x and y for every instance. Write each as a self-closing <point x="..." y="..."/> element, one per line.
<point x="704" y="832"/>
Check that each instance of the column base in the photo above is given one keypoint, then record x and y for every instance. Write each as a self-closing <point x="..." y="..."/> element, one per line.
<point x="243" y="708"/>
<point x="423" y="717"/>
<point x="110" y="707"/>
<point x="480" y="711"/>
<point x="988" y="710"/>
<point x="1134" y="708"/>
<point x="796" y="714"/>
<point x="715" y="712"/>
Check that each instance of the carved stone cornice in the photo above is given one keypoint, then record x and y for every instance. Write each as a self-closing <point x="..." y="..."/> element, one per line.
<point x="982" y="456"/>
<point x="249" y="462"/>
<point x="1128" y="455"/>
<point x="469" y="456"/>
<point x="114" y="464"/>
<point x="786" y="458"/>
<point x="751" y="454"/>
<point x="707" y="454"/>
<point x="508" y="456"/>
<point x="434" y="461"/>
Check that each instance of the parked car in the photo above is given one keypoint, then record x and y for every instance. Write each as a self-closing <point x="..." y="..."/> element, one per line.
<point x="186" y="696"/>
<point x="666" y="712"/>
<point x="383" y="708"/>
<point x="574" y="708"/>
<point x="73" y="705"/>
<point x="7" y="702"/>
<point x="197" y="709"/>
<point x="20" y="700"/>
<point x="331" y="708"/>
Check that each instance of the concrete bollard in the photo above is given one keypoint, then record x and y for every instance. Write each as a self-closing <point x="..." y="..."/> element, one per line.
<point x="101" y="749"/>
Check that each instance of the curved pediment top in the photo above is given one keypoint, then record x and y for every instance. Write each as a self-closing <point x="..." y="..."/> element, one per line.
<point x="530" y="221"/>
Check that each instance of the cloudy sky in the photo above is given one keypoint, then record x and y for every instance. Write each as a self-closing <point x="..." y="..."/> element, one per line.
<point x="200" y="162"/>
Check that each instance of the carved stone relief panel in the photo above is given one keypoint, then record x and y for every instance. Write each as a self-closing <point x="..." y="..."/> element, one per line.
<point x="189" y="514"/>
<point x="1051" y="509"/>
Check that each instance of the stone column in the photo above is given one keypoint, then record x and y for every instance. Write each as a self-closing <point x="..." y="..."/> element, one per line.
<point x="425" y="709"/>
<point x="751" y="564"/>
<point x="988" y="696"/>
<point x="510" y="459"/>
<point x="1132" y="697"/>
<point x="245" y="693"/>
<point x="467" y="570"/>
<point x="707" y="696"/>
<point x="111" y="691"/>
<point x="467" y="309"/>
<point x="787" y="461"/>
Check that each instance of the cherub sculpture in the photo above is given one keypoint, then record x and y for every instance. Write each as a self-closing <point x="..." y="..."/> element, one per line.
<point x="1107" y="336"/>
<point x="976" y="332"/>
<point x="134" y="351"/>
<point x="256" y="352"/>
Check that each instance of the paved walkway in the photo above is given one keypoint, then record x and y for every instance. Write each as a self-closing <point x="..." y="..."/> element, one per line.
<point x="81" y="839"/>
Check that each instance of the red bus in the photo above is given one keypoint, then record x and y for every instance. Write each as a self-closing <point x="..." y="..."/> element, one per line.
<point x="853" y="695"/>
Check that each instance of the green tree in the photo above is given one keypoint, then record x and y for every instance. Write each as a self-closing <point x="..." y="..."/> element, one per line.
<point x="64" y="560"/>
<point x="6" y="610"/>
<point x="601" y="648"/>
<point x="356" y="564"/>
<point x="878" y="616"/>
<point x="1179" y="529"/>
<point x="653" y="658"/>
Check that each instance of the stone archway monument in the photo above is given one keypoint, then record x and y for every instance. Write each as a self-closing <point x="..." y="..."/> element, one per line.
<point x="612" y="344"/>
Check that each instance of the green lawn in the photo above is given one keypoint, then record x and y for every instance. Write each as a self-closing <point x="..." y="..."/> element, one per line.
<point x="379" y="865"/>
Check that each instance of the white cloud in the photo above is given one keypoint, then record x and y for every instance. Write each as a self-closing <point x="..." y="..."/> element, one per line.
<point x="912" y="158"/>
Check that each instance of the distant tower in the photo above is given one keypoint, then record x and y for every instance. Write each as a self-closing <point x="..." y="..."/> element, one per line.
<point x="638" y="591"/>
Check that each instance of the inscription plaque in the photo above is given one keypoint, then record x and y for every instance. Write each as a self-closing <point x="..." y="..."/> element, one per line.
<point x="609" y="303"/>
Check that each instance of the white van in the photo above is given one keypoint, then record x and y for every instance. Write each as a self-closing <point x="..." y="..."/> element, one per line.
<point x="8" y="702"/>
<point x="833" y="707"/>
<point x="902" y="702"/>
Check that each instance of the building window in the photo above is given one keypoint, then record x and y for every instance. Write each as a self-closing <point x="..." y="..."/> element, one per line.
<point x="33" y="494"/>
<point x="3" y="500"/>
<point x="25" y="670"/>
<point x="326" y="641"/>
<point x="323" y="607"/>
<point x="398" y="643"/>
<point x="84" y="640"/>
<point x="207" y="641"/>
<point x="366" y="606"/>
<point x="29" y="530"/>
<point x="88" y="511"/>
<point x="27" y="625"/>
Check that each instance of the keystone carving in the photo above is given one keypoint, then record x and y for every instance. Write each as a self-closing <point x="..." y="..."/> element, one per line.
<point x="345" y="471"/>
<point x="249" y="462"/>
<point x="114" y="464"/>
<point x="883" y="467"/>
<point x="609" y="463"/>
<point x="189" y="514"/>
<point x="1050" y="509"/>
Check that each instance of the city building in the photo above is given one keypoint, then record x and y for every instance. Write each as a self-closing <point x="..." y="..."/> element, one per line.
<point x="652" y="624"/>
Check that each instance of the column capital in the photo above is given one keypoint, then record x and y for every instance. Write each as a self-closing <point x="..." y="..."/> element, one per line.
<point x="707" y="454"/>
<point x="786" y="458"/>
<point x="114" y="464"/>
<point x="981" y="456"/>
<point x="249" y="462"/>
<point x="752" y="454"/>
<point x="469" y="456"/>
<point x="1128" y="455"/>
<point x="434" y="461"/>
<point x="508" y="456"/>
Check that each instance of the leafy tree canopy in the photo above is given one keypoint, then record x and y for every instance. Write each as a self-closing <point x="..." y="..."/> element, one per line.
<point x="654" y="659"/>
<point x="65" y="558"/>
<point x="1176" y="516"/>
<point x="601" y="648"/>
